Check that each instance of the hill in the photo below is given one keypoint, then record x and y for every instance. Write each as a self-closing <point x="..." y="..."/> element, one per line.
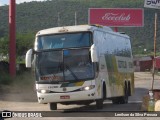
<point x="34" y="16"/>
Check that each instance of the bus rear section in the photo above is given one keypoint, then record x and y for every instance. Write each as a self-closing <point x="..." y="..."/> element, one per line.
<point x="115" y="65"/>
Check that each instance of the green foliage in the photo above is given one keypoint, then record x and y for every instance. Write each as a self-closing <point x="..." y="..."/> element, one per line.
<point x="34" y="16"/>
<point x="4" y="45"/>
<point x="24" y="41"/>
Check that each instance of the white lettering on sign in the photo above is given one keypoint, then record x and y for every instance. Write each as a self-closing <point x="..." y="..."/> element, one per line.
<point x="116" y="17"/>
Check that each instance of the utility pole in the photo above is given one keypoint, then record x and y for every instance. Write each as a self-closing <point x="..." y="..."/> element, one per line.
<point x="12" y="39"/>
<point x="154" y="59"/>
<point x="58" y="20"/>
<point x="75" y="18"/>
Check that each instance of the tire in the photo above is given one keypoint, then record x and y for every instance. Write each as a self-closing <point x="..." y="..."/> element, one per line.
<point x="53" y="106"/>
<point x="99" y="104"/>
<point x="87" y="103"/>
<point x="124" y="99"/>
<point x="129" y="89"/>
<point x="116" y="100"/>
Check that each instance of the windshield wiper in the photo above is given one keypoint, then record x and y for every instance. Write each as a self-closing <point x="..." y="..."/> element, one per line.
<point x="73" y="74"/>
<point x="60" y="67"/>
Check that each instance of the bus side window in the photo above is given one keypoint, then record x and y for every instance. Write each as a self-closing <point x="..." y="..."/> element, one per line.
<point x="130" y="65"/>
<point x="122" y="64"/>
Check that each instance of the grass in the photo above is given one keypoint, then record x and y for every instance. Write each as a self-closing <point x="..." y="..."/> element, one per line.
<point x="22" y="82"/>
<point x="19" y="89"/>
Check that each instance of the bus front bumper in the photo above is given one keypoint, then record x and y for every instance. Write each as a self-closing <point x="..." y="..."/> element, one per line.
<point x="66" y="97"/>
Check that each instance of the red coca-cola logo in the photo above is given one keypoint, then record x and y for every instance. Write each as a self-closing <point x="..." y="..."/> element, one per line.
<point x="116" y="17"/>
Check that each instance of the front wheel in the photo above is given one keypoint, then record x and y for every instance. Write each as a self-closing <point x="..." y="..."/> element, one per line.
<point x="99" y="104"/>
<point x="53" y="106"/>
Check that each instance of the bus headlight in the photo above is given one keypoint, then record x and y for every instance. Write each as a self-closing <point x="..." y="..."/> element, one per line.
<point x="88" y="87"/>
<point x="44" y="91"/>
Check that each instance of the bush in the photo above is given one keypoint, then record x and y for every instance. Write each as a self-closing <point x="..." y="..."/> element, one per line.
<point x="25" y="79"/>
<point x="4" y="67"/>
<point x="5" y="79"/>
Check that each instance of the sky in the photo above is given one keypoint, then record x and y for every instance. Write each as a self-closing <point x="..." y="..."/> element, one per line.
<point x="3" y="2"/>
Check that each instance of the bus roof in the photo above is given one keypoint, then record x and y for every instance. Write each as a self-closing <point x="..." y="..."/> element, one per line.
<point x="76" y="28"/>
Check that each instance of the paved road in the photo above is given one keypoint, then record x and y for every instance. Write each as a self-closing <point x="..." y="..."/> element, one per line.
<point x="28" y="102"/>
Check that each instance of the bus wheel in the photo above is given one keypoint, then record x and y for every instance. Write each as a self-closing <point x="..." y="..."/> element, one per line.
<point x="124" y="99"/>
<point x="129" y="89"/>
<point x="87" y="103"/>
<point x="115" y="100"/>
<point x="53" y="106"/>
<point x="99" y="104"/>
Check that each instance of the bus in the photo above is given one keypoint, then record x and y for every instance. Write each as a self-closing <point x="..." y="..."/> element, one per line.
<point x="81" y="64"/>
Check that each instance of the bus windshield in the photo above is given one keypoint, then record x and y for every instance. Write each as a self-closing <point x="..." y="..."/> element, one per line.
<point x="67" y="40"/>
<point x="65" y="65"/>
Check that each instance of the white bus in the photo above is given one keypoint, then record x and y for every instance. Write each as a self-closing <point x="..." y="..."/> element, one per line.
<point x="82" y="64"/>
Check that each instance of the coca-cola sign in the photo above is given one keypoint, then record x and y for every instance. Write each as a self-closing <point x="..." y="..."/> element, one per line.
<point x="116" y="17"/>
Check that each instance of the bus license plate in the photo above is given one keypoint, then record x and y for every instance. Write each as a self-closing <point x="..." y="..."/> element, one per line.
<point x="65" y="97"/>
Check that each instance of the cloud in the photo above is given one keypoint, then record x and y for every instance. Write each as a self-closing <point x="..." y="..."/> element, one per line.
<point x="3" y="2"/>
<point x="21" y="1"/>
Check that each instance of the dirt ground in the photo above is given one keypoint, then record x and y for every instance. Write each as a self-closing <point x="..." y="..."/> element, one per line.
<point x="26" y="92"/>
<point x="22" y="88"/>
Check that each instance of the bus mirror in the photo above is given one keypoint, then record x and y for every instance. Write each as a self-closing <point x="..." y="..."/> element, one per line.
<point x="28" y="59"/>
<point x="94" y="56"/>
